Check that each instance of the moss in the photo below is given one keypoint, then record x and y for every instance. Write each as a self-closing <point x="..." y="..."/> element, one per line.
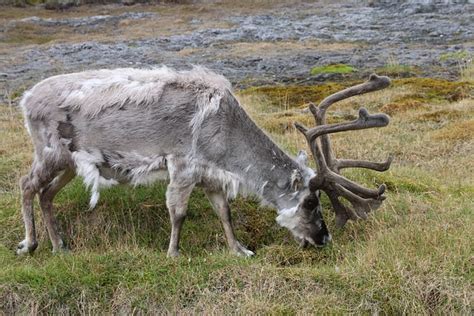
<point x="332" y="69"/>
<point x="461" y="131"/>
<point x="402" y="106"/>
<point x="294" y="96"/>
<point x="430" y="89"/>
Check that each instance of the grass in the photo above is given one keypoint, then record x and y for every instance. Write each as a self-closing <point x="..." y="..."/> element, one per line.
<point x="414" y="255"/>
<point x="464" y="61"/>
<point x="394" y="69"/>
<point x="291" y="96"/>
<point x="266" y="49"/>
<point x="332" y="69"/>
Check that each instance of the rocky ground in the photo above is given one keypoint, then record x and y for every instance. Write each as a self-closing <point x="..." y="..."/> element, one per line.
<point x="262" y="46"/>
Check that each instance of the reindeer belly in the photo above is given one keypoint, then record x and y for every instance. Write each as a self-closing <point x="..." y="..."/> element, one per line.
<point x="134" y="176"/>
<point x="101" y="168"/>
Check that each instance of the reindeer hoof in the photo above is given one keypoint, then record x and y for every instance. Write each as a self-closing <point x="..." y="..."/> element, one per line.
<point x="63" y="249"/>
<point x="172" y="254"/>
<point x="25" y="247"/>
<point x="241" y="251"/>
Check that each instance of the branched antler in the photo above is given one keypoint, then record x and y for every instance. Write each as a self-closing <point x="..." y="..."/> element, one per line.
<point x="328" y="179"/>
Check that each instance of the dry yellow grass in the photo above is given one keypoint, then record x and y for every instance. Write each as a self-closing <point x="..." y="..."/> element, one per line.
<point x="269" y="49"/>
<point x="456" y="131"/>
<point x="398" y="107"/>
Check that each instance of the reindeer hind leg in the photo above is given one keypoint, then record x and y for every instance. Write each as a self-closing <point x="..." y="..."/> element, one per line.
<point x="28" y="192"/>
<point x="46" y="197"/>
<point x="44" y="169"/>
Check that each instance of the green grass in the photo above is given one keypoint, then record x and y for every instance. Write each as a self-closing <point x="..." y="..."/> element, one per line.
<point x="397" y="70"/>
<point x="332" y="69"/>
<point x="457" y="55"/>
<point x="414" y="255"/>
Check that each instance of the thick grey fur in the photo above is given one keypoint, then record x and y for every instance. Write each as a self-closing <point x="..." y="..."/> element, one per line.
<point x="134" y="125"/>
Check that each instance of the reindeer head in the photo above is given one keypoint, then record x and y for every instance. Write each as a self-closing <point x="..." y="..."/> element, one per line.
<point x="305" y="221"/>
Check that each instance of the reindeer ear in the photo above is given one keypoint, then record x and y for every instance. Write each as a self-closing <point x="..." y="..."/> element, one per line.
<point x="296" y="180"/>
<point x="302" y="158"/>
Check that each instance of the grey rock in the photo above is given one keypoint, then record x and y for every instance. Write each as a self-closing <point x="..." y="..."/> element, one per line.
<point x="87" y="21"/>
<point x="380" y="32"/>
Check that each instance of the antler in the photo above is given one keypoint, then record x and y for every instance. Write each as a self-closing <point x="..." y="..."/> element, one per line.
<point x="328" y="179"/>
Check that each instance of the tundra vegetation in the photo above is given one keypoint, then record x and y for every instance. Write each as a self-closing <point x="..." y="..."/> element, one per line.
<point x="413" y="255"/>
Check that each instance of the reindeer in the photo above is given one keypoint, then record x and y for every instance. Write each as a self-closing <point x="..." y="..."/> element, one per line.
<point x="137" y="126"/>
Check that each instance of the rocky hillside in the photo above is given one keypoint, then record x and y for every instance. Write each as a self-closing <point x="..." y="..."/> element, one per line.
<point x="249" y="43"/>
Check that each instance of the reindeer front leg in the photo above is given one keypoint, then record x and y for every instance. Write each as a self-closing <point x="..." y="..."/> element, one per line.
<point x="177" y="198"/>
<point x="221" y="206"/>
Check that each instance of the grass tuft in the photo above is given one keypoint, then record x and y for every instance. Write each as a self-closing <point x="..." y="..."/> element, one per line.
<point x="394" y="69"/>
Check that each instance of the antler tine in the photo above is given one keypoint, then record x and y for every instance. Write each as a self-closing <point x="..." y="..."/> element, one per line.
<point x="373" y="84"/>
<point x="328" y="179"/>
<point x="321" y="165"/>
<point x="364" y="121"/>
<point x="343" y="213"/>
<point x="356" y="188"/>
<point x="349" y="163"/>
<point x="361" y="206"/>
